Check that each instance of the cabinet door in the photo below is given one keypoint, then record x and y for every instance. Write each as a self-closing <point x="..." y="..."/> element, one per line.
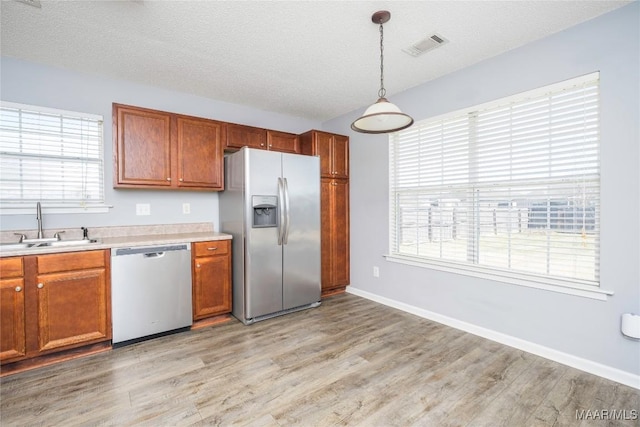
<point x="239" y="136"/>
<point x="326" y="237"/>
<point x="12" y="319"/>
<point x="211" y="286"/>
<point x="284" y="142"/>
<point x="73" y="309"/>
<point x="335" y="233"/>
<point x="322" y="145"/>
<point x="340" y="232"/>
<point x="142" y="148"/>
<point x="200" y="157"/>
<point x="340" y="156"/>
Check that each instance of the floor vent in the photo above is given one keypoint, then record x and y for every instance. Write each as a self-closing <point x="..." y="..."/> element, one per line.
<point x="425" y="45"/>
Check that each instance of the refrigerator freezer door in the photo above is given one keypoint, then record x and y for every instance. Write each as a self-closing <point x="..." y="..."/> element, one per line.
<point x="263" y="255"/>
<point x="301" y="253"/>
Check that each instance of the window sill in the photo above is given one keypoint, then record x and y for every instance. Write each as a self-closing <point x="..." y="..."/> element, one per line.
<point x="552" y="285"/>
<point x="27" y="210"/>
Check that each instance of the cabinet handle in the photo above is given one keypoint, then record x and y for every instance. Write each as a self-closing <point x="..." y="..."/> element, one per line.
<point x="40" y="285"/>
<point x="181" y="180"/>
<point x="198" y="265"/>
<point x="168" y="179"/>
<point x="18" y="288"/>
<point x="212" y="249"/>
<point x="262" y="144"/>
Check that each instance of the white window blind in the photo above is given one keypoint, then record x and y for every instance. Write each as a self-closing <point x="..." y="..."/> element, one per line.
<point x="51" y="156"/>
<point x="510" y="187"/>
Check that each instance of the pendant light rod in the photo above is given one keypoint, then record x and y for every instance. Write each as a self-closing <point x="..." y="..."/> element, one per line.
<point x="383" y="116"/>
<point x="380" y="18"/>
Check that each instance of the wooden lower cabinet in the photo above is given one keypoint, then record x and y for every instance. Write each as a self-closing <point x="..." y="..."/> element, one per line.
<point x="12" y="309"/>
<point x="64" y="303"/>
<point x="211" y="271"/>
<point x="335" y="234"/>
<point x="72" y="308"/>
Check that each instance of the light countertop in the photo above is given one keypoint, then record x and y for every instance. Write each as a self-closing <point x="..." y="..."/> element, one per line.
<point x="110" y="241"/>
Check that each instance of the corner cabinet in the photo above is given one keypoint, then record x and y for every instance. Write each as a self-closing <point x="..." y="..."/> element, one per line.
<point x="211" y="272"/>
<point x="333" y="151"/>
<point x="159" y="150"/>
<point x="54" y="302"/>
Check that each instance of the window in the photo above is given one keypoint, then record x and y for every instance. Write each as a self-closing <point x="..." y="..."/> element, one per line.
<point x="509" y="188"/>
<point x="51" y="156"/>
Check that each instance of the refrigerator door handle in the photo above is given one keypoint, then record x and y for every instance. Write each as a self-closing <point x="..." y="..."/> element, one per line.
<point x="281" y="209"/>
<point x="287" y="214"/>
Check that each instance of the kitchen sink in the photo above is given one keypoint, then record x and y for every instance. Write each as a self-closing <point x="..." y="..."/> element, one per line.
<point x="13" y="246"/>
<point x="46" y="244"/>
<point x="63" y="243"/>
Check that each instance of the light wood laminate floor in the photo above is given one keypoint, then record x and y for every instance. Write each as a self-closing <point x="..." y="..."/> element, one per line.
<point x="348" y="362"/>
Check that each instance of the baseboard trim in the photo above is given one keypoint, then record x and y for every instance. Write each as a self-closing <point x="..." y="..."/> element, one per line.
<point x="585" y="365"/>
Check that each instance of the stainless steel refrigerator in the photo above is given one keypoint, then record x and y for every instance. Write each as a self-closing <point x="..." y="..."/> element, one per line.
<point x="271" y="206"/>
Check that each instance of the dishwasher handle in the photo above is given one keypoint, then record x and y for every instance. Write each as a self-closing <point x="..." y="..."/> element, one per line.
<point x="154" y="255"/>
<point x="151" y="251"/>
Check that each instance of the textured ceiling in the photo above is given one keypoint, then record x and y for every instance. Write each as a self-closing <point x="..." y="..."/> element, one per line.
<point x="312" y="59"/>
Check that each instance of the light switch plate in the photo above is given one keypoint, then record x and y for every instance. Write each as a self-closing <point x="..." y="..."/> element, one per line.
<point x="143" y="209"/>
<point x="186" y="208"/>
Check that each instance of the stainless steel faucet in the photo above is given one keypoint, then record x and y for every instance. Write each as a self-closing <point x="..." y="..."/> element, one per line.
<point x="39" y="219"/>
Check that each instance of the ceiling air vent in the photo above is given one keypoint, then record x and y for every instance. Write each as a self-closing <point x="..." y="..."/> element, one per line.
<point x="425" y="45"/>
<point x="34" y="3"/>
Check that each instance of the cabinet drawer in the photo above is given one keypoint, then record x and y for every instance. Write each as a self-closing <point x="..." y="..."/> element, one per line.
<point x="216" y="247"/>
<point x="11" y="267"/>
<point x="70" y="261"/>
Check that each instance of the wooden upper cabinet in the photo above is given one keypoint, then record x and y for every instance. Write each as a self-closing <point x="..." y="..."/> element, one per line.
<point x="200" y="141"/>
<point x="333" y="150"/>
<point x="282" y="141"/>
<point x="160" y="150"/>
<point x="340" y="156"/>
<point x="142" y="148"/>
<point x="239" y="136"/>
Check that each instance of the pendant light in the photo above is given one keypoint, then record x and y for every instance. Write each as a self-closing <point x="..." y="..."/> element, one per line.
<point x="383" y="116"/>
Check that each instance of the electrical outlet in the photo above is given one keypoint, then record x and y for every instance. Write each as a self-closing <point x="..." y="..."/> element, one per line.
<point x="186" y="208"/>
<point x="143" y="209"/>
<point x="376" y="271"/>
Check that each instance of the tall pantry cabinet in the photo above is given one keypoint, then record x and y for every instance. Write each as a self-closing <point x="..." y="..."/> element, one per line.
<point x="333" y="151"/>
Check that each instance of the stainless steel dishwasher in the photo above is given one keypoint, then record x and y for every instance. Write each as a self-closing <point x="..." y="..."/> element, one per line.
<point x="150" y="291"/>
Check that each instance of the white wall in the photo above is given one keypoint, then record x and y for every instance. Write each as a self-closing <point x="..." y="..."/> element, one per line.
<point x="30" y="83"/>
<point x="577" y="326"/>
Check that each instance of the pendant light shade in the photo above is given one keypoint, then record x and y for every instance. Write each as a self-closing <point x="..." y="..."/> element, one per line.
<point x="383" y="116"/>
